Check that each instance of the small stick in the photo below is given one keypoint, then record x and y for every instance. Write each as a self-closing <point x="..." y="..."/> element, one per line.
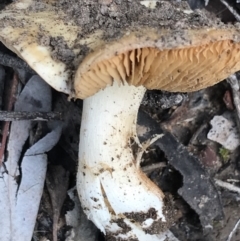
<point x="231" y="9"/>
<point x="233" y="180"/>
<point x="227" y="185"/>
<point x="154" y="166"/>
<point x="34" y="116"/>
<point x="15" y="63"/>
<point x="233" y="81"/>
<point x="11" y="90"/>
<point x="233" y="231"/>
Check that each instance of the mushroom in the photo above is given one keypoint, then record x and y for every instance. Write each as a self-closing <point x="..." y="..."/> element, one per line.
<point x="111" y="74"/>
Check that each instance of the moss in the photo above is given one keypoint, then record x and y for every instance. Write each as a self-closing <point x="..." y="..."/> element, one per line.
<point x="224" y="153"/>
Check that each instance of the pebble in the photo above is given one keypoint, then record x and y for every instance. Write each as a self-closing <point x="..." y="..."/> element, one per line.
<point x="224" y="132"/>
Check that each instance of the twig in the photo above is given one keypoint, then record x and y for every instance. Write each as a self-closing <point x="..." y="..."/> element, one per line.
<point x="154" y="166"/>
<point x="231" y="9"/>
<point x="227" y="185"/>
<point x="35" y="116"/>
<point x="15" y="63"/>
<point x="233" y="231"/>
<point x="233" y="180"/>
<point x="9" y="100"/>
<point x="233" y="81"/>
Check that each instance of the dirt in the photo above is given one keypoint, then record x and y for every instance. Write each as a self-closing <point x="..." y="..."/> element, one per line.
<point x="169" y="211"/>
<point x="110" y="238"/>
<point x="60" y="50"/>
<point x="118" y="15"/>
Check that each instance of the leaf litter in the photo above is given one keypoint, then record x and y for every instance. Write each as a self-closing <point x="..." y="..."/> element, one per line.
<point x="188" y="121"/>
<point x="22" y="182"/>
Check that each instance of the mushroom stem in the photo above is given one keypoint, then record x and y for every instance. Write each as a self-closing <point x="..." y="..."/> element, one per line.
<point x="115" y="194"/>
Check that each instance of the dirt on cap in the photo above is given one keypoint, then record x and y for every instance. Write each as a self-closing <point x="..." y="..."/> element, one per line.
<point x="113" y="16"/>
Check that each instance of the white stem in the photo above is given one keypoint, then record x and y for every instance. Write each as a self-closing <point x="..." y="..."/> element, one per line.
<point x="115" y="194"/>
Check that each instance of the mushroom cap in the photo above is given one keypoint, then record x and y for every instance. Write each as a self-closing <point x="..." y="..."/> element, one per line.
<point x="167" y="46"/>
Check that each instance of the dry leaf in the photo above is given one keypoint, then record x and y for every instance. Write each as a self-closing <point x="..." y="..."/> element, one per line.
<point x="22" y="182"/>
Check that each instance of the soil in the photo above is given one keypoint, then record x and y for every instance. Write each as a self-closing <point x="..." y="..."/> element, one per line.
<point x="115" y="16"/>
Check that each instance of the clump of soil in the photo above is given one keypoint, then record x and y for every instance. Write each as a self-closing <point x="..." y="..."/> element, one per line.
<point x="61" y="51"/>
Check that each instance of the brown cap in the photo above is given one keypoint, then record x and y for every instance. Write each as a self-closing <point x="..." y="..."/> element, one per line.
<point x="167" y="46"/>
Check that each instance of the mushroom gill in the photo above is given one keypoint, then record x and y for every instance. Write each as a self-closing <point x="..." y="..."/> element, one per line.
<point x="178" y="70"/>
